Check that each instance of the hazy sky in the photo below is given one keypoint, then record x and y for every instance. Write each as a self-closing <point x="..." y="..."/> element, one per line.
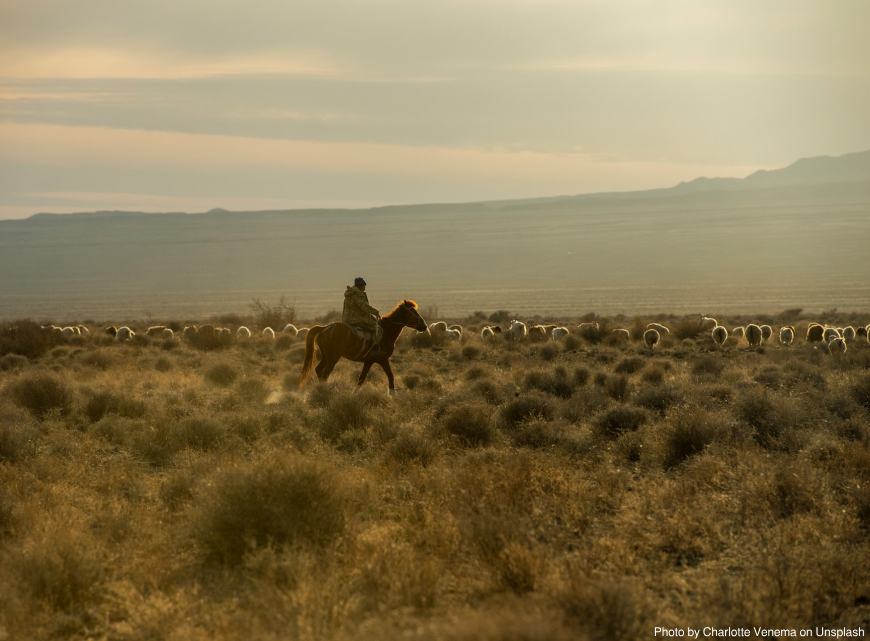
<point x="163" y="105"/>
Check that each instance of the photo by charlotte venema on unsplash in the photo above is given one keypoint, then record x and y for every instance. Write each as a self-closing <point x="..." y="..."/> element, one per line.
<point x="435" y="321"/>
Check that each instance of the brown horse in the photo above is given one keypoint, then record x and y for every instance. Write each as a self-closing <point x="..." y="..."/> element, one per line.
<point x="338" y="340"/>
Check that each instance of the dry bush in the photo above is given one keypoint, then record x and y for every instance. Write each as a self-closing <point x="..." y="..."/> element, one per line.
<point x="861" y="391"/>
<point x="619" y="419"/>
<point x="653" y="375"/>
<point x="687" y="328"/>
<point x="412" y="447"/>
<point x="42" y="394"/>
<point x="17" y="441"/>
<point x="488" y="391"/>
<point x="708" y="366"/>
<point x="222" y="374"/>
<point x="12" y="362"/>
<point x="606" y="610"/>
<point x="526" y="407"/>
<point x="286" y="500"/>
<point x="253" y="390"/>
<point x="470" y="352"/>
<point x="103" y="403"/>
<point x="26" y="338"/>
<point x="769" y="417"/>
<point x="658" y="398"/>
<point x="555" y="382"/>
<point x="629" y="365"/>
<point x="470" y="424"/>
<point x="275" y="315"/>
<point x="688" y="432"/>
<point x="617" y="387"/>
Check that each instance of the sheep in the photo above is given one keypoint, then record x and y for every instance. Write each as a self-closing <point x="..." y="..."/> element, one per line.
<point x="861" y="332"/>
<point x="496" y="329"/>
<point x="537" y="333"/>
<point x="517" y="331"/>
<point x="167" y="333"/>
<point x="622" y="333"/>
<point x="244" y="332"/>
<point x="458" y="328"/>
<point x="68" y="332"/>
<point x="439" y="326"/>
<point x="189" y="330"/>
<point x="651" y="338"/>
<point x="453" y="334"/>
<point x="224" y="331"/>
<point x="849" y="333"/>
<point x="154" y="330"/>
<point x="754" y="335"/>
<point x="831" y="333"/>
<point x="786" y="335"/>
<point x="269" y="333"/>
<point x="559" y="333"/>
<point x="720" y="335"/>
<point x="837" y="346"/>
<point x="661" y="329"/>
<point x="290" y="329"/>
<point x="549" y="329"/>
<point x="815" y="333"/>
<point x="486" y="334"/>
<point x="124" y="334"/>
<point x="302" y="332"/>
<point x="766" y="333"/>
<point x="592" y="324"/>
<point x="111" y="330"/>
<point x="83" y="330"/>
<point x="738" y="332"/>
<point x="709" y="321"/>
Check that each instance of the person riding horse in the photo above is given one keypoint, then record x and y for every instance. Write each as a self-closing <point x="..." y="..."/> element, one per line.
<point x="360" y="315"/>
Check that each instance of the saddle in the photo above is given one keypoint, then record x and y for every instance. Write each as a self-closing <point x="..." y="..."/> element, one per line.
<point x="366" y="341"/>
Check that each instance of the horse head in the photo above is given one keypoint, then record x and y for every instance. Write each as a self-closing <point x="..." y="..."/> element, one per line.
<point x="407" y="315"/>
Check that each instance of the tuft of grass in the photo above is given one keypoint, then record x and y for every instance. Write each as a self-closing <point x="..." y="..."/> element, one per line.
<point x="605" y="610"/>
<point x="284" y="501"/>
<point x="689" y="431"/>
<point x="617" y="387"/>
<point x="556" y="382"/>
<point x="708" y="366"/>
<point x="619" y="419"/>
<point x="17" y="441"/>
<point x="768" y="418"/>
<point x="526" y="407"/>
<point x="629" y="365"/>
<point x="12" y="362"/>
<point x="471" y="424"/>
<point x="470" y="352"/>
<point x="222" y="375"/>
<point x="412" y="447"/>
<point x="42" y="394"/>
<point x="658" y="398"/>
<point x="26" y="338"/>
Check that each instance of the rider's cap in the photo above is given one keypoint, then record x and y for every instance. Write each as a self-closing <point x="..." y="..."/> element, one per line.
<point x="359" y="280"/>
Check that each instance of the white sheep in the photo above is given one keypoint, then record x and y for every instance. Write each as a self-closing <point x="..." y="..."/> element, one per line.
<point x="167" y="333"/>
<point x="559" y="333"/>
<point x="849" y="333"/>
<point x="837" y="346"/>
<point x="786" y="335"/>
<point x="661" y="329"/>
<point x="738" y="332"/>
<point x="709" y="322"/>
<point x="651" y="338"/>
<point x="487" y="334"/>
<point x="269" y="333"/>
<point x="766" y="333"/>
<point x="290" y="329"/>
<point x="83" y="330"/>
<point x="623" y="334"/>
<point x="815" y="333"/>
<point x="537" y="333"/>
<point x="243" y="332"/>
<point x="861" y="332"/>
<point x="302" y="332"/>
<point x="754" y="335"/>
<point x="68" y="332"/>
<point x="154" y="330"/>
<point x="720" y="335"/>
<point x="124" y="334"/>
<point x="831" y="333"/>
<point x="517" y="331"/>
<point x="189" y="330"/>
<point x="458" y="328"/>
<point x="590" y="324"/>
<point x="453" y="334"/>
<point x="439" y="326"/>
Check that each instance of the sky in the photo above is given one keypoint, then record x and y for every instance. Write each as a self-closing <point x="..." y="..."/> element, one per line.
<point x="186" y="105"/>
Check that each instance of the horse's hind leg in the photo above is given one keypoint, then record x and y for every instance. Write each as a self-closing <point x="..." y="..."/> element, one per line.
<point x="365" y="372"/>
<point x="324" y="367"/>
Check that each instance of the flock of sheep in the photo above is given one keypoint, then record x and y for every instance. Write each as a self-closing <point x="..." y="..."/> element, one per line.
<point x="834" y="340"/>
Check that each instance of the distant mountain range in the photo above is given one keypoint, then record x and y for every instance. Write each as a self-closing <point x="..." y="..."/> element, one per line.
<point x="792" y="237"/>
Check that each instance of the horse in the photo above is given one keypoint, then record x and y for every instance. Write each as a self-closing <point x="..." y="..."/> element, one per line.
<point x="338" y="340"/>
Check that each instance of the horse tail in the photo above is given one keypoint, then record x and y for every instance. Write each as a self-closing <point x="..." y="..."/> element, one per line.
<point x="308" y="363"/>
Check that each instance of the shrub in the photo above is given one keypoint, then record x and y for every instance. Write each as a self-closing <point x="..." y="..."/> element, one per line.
<point x="275" y="315"/>
<point x="488" y="391"/>
<point x="26" y="338"/>
<point x="222" y="375"/>
<point x="163" y="364"/>
<point x="475" y="373"/>
<point x="687" y="328"/>
<point x="658" y="399"/>
<point x="284" y="342"/>
<point x="470" y="424"/>
<point x="60" y="569"/>
<point x="767" y="418"/>
<point x="412" y="447"/>
<point x="653" y="375"/>
<point x="861" y="391"/>
<point x="689" y="432"/>
<point x="548" y="352"/>
<point x="619" y="419"/>
<point x="580" y="376"/>
<point x="526" y="407"/>
<point x="17" y="441"/>
<point x="253" y="390"/>
<point x="605" y="611"/>
<point x="708" y="366"/>
<point x="470" y="352"/>
<point x="42" y="394"/>
<point x="199" y="433"/>
<point x="769" y="376"/>
<point x="538" y="434"/>
<point x="555" y="382"/>
<point x="277" y="502"/>
<point x="629" y="365"/>
<point x="617" y="387"/>
<point x="12" y="362"/>
<point x="500" y="316"/>
<point x="518" y="568"/>
<point x="103" y="403"/>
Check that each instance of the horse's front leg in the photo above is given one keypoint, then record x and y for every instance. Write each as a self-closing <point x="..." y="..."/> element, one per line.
<point x="365" y="372"/>
<point x="385" y="365"/>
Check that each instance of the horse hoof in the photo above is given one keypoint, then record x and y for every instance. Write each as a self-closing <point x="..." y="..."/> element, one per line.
<point x="393" y="392"/>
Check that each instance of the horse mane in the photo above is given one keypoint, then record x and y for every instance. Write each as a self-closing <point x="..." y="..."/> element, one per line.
<point x="405" y="303"/>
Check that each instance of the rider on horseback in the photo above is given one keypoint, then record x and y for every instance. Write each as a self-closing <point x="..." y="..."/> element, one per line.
<point x="359" y="314"/>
